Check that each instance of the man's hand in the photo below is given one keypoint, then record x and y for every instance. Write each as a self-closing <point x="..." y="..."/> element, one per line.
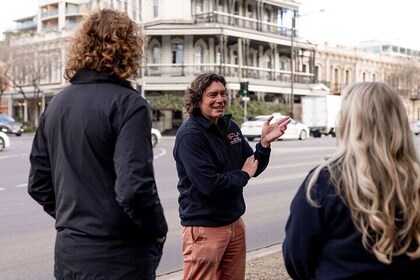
<point x="271" y="132"/>
<point x="250" y="166"/>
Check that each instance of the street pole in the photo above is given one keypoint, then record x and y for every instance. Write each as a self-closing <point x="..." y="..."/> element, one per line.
<point x="292" y="68"/>
<point x="143" y="62"/>
<point x="292" y="59"/>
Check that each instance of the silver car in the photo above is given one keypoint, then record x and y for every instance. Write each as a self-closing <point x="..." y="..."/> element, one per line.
<point x="295" y="130"/>
<point x="156" y="136"/>
<point x="4" y="141"/>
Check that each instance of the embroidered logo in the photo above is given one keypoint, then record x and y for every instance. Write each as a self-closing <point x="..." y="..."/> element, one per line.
<point x="234" y="138"/>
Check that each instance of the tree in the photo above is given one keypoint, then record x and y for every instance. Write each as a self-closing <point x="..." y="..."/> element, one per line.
<point x="4" y="69"/>
<point x="30" y="66"/>
<point x="404" y="77"/>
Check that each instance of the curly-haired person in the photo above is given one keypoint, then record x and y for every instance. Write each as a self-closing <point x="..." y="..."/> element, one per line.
<point x="357" y="215"/>
<point x="92" y="159"/>
<point x="214" y="164"/>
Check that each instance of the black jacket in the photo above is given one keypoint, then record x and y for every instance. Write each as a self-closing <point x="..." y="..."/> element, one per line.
<point x="209" y="159"/>
<point x="92" y="170"/>
<point x="323" y="243"/>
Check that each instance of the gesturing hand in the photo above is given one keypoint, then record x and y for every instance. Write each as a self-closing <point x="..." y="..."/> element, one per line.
<point x="250" y="166"/>
<point x="272" y="132"/>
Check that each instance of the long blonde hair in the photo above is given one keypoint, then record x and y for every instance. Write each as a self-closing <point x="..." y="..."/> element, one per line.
<point x="376" y="170"/>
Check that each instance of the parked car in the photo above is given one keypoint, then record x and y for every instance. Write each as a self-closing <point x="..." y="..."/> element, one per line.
<point x="295" y="130"/>
<point x="9" y="125"/>
<point x="156" y="136"/>
<point x="415" y="127"/>
<point x="4" y="141"/>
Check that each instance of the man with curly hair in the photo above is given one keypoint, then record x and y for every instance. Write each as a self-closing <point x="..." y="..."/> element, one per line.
<point x="214" y="164"/>
<point x="92" y="159"/>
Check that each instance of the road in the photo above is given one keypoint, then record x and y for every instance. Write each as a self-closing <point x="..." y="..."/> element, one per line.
<point x="27" y="233"/>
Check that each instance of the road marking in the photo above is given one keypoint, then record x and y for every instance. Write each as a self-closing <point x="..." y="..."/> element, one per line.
<point x="307" y="163"/>
<point x="299" y="150"/>
<point x="21" y="185"/>
<point x="13" y="156"/>
<point x="161" y="153"/>
<point x="2" y="189"/>
<point x="277" y="179"/>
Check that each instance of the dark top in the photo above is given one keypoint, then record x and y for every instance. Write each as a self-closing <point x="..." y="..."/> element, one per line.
<point x="323" y="243"/>
<point x="209" y="159"/>
<point x="92" y="169"/>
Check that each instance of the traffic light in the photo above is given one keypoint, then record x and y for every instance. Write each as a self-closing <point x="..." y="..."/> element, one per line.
<point x="244" y="88"/>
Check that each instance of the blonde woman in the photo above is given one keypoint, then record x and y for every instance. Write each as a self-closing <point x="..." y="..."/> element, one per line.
<point x="357" y="215"/>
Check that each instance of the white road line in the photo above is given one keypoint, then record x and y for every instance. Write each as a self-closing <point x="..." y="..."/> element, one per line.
<point x="306" y="163"/>
<point x="21" y="186"/>
<point x="13" y="156"/>
<point x="160" y="154"/>
<point x="2" y="189"/>
<point x="277" y="179"/>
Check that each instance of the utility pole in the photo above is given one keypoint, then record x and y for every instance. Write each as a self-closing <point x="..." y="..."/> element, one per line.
<point x="292" y="68"/>
<point x="292" y="59"/>
<point x="244" y="91"/>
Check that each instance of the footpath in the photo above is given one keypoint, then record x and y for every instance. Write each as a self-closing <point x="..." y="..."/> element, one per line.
<point x="262" y="264"/>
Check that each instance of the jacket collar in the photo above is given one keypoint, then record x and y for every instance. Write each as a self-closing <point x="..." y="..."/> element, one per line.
<point x="86" y="76"/>
<point x="207" y="124"/>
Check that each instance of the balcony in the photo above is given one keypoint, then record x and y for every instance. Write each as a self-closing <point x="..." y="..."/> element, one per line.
<point x="49" y="14"/>
<point x="242" y="22"/>
<point x="228" y="70"/>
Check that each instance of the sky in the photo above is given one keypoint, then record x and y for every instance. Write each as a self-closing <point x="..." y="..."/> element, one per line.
<point x="344" y="22"/>
<point x="348" y="22"/>
<point x="15" y="9"/>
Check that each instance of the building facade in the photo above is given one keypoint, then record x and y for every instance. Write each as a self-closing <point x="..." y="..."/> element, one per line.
<point x="244" y="40"/>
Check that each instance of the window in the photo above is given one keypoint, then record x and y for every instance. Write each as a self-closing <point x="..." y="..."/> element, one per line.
<point x="316" y="73"/>
<point x="177" y="53"/>
<point x="199" y="6"/>
<point x="220" y="5"/>
<point x="266" y="19"/>
<point x="347" y="77"/>
<point x="218" y="58"/>
<point x="155" y="8"/>
<point x="155" y="56"/>
<point x="199" y="57"/>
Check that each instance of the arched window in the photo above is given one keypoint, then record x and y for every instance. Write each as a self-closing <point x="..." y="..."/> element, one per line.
<point x="156" y="54"/>
<point x="266" y="19"/>
<point x="347" y="77"/>
<point x="177" y="52"/>
<point x="199" y="6"/>
<point x="316" y="74"/>
<point x="198" y="57"/>
<point x="155" y="8"/>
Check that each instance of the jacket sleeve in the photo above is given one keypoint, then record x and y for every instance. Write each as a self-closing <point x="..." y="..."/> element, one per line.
<point x="135" y="185"/>
<point x="195" y="157"/>
<point x="304" y="236"/>
<point x="263" y="156"/>
<point x="40" y="186"/>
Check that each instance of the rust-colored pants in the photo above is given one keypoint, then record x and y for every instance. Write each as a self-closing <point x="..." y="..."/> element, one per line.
<point x="214" y="252"/>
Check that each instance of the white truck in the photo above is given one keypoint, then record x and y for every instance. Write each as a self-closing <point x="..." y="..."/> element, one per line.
<point x="320" y="113"/>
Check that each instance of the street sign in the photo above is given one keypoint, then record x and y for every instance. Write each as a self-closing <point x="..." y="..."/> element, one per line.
<point x="245" y="98"/>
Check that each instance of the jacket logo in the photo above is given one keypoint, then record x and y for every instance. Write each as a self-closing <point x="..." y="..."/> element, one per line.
<point x="234" y="138"/>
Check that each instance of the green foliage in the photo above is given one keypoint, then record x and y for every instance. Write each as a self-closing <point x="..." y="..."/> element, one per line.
<point x="166" y="102"/>
<point x="254" y="108"/>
